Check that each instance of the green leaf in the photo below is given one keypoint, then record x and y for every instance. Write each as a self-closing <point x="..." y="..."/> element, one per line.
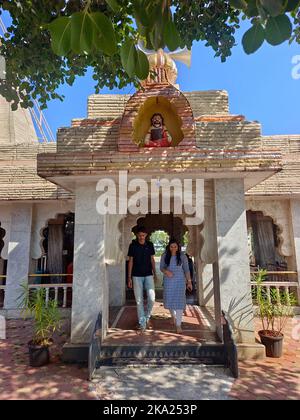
<point x="171" y="36"/>
<point x="274" y="7"/>
<point x="129" y="57"/>
<point x="253" y="38"/>
<point x="104" y="34"/>
<point x="278" y="29"/>
<point x="82" y="33"/>
<point x="60" y="30"/>
<point x="292" y="4"/>
<point x="251" y="10"/>
<point x="142" y="66"/>
<point x="114" y="5"/>
<point x="140" y="12"/>
<point x="238" y="4"/>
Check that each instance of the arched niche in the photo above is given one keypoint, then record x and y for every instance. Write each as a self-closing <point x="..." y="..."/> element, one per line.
<point x="57" y="248"/>
<point x="174" y="106"/>
<point x="264" y="237"/>
<point x="157" y="105"/>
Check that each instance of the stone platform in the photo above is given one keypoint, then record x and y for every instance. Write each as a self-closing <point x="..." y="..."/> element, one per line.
<point x="160" y="344"/>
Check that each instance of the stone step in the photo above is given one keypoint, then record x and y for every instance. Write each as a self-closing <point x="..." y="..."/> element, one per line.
<point x="209" y="354"/>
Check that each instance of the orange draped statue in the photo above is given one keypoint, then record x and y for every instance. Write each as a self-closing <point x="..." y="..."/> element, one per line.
<point x="158" y="135"/>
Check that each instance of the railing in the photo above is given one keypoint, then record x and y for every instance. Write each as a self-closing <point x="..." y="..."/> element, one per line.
<point x="61" y="293"/>
<point x="283" y="288"/>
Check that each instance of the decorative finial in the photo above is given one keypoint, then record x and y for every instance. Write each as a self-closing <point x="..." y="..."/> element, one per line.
<point x="163" y="65"/>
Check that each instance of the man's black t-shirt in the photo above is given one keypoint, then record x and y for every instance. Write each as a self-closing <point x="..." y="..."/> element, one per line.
<point x="142" y="265"/>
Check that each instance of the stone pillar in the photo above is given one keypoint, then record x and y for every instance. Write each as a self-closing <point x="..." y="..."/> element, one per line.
<point x="232" y="272"/>
<point x="295" y="213"/>
<point x="18" y="253"/>
<point x="90" y="291"/>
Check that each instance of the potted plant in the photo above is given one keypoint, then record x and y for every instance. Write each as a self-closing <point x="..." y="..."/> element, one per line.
<point x="46" y="321"/>
<point x="274" y="309"/>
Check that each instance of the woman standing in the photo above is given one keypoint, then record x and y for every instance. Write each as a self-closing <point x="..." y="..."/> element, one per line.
<point x="175" y="267"/>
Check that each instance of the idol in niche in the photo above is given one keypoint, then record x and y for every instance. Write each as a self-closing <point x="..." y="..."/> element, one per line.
<point x="158" y="135"/>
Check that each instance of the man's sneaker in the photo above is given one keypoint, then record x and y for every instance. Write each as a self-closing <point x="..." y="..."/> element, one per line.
<point x="141" y="329"/>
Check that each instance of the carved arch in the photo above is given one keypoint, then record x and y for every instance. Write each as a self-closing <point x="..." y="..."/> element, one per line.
<point x="41" y="218"/>
<point x="279" y="213"/>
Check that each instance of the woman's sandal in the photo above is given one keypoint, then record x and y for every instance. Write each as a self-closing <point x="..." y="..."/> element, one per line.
<point x="178" y="330"/>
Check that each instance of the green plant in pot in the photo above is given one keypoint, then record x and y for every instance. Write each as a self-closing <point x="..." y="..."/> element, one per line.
<point x="274" y="309"/>
<point x="46" y="318"/>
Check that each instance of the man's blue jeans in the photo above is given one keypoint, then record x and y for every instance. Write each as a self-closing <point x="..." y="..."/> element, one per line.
<point x="139" y="285"/>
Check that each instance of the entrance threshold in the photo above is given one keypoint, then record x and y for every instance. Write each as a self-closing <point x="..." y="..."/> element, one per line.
<point x="198" y="327"/>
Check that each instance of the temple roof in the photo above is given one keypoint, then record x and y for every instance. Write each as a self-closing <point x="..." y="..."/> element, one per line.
<point x="16" y="127"/>
<point x="18" y="174"/>
<point x="224" y="144"/>
<point x="286" y="182"/>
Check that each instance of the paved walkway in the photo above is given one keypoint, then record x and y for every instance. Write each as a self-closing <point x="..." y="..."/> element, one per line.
<point x="272" y="379"/>
<point x="18" y="381"/>
<point x="268" y="379"/>
<point x="164" y="383"/>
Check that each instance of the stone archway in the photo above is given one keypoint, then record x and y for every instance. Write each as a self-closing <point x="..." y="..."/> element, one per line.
<point x="57" y="247"/>
<point x="265" y="242"/>
<point x="171" y="224"/>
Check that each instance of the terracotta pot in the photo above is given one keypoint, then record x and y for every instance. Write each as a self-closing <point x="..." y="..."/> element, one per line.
<point x="274" y="345"/>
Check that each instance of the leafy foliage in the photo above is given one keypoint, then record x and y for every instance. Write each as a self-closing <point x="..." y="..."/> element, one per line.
<point x="275" y="307"/>
<point x="51" y="42"/>
<point x="160" y="240"/>
<point x="46" y="316"/>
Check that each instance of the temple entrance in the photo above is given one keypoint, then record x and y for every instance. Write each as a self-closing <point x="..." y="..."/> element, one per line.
<point x="160" y="229"/>
<point x="198" y="323"/>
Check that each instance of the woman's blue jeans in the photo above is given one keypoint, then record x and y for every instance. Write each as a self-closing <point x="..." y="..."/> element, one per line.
<point x="139" y="285"/>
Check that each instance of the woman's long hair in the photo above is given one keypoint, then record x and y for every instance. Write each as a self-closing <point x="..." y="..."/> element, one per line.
<point x="169" y="254"/>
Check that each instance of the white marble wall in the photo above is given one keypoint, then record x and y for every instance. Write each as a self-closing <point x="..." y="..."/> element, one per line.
<point x="90" y="288"/>
<point x="116" y="275"/>
<point x="208" y="256"/>
<point x="232" y="269"/>
<point x="18" y="253"/>
<point x="295" y="213"/>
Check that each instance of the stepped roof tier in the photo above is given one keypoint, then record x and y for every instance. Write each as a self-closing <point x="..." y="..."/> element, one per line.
<point x="16" y="126"/>
<point x="19" y="148"/>
<point x="287" y="181"/>
<point x="207" y="140"/>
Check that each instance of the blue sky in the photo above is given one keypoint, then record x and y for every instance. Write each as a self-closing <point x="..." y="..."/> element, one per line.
<point x="260" y="86"/>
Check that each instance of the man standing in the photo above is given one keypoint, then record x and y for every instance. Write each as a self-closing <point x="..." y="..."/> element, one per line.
<point x="141" y="274"/>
